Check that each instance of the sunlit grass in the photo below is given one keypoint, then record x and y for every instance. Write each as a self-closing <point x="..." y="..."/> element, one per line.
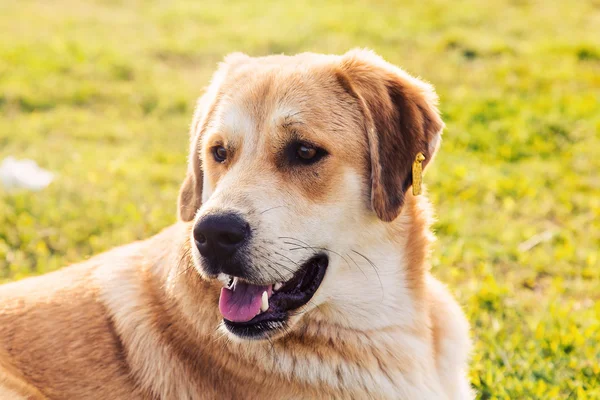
<point x="101" y="93"/>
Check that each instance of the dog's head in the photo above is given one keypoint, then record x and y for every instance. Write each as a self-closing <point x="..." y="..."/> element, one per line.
<point x="298" y="168"/>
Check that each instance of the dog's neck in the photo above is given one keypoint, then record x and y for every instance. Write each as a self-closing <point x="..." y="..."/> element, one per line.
<point x="318" y="358"/>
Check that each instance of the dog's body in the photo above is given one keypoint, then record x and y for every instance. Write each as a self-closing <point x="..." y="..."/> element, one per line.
<point x="141" y="321"/>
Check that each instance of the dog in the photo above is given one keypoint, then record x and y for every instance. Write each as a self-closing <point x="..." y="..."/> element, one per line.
<point x="298" y="267"/>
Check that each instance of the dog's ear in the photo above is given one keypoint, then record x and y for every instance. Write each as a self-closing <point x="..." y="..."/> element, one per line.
<point x="190" y="194"/>
<point x="402" y="120"/>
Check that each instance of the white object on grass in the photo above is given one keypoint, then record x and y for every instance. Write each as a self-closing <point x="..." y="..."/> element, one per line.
<point x="23" y="174"/>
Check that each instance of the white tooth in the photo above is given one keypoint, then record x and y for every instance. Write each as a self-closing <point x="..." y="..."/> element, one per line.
<point x="277" y="286"/>
<point x="235" y="281"/>
<point x="224" y="279"/>
<point x="264" y="306"/>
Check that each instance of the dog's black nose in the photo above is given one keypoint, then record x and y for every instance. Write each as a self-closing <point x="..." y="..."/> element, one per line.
<point x="220" y="235"/>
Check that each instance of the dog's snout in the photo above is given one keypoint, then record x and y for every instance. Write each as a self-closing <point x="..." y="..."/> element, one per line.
<point x="220" y="235"/>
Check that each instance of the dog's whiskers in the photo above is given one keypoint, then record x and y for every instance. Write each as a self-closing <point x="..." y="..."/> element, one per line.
<point x="272" y="208"/>
<point x="286" y="257"/>
<point x="301" y="245"/>
<point x="266" y="261"/>
<point x="374" y="269"/>
<point x="319" y="248"/>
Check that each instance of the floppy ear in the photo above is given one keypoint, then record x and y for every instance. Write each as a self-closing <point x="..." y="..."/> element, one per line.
<point x="190" y="194"/>
<point x="401" y="120"/>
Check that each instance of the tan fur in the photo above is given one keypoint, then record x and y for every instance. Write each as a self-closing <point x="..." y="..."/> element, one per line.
<point x="142" y="322"/>
<point x="13" y="385"/>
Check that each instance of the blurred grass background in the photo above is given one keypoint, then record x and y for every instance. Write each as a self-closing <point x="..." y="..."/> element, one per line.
<point x="101" y="93"/>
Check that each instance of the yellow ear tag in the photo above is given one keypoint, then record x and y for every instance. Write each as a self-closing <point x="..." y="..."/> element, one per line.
<point x="417" y="173"/>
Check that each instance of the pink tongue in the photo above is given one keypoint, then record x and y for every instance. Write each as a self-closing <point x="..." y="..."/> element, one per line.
<point x="243" y="303"/>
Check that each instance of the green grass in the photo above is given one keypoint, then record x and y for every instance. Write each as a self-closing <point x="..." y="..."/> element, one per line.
<point x="101" y="92"/>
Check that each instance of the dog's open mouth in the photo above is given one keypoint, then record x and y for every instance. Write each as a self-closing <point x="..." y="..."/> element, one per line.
<point x="253" y="311"/>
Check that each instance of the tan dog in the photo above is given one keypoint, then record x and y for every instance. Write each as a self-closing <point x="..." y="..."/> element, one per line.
<point x="298" y="270"/>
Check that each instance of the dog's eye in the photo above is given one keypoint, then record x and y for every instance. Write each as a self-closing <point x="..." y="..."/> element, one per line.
<point x="219" y="153"/>
<point x="306" y="153"/>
